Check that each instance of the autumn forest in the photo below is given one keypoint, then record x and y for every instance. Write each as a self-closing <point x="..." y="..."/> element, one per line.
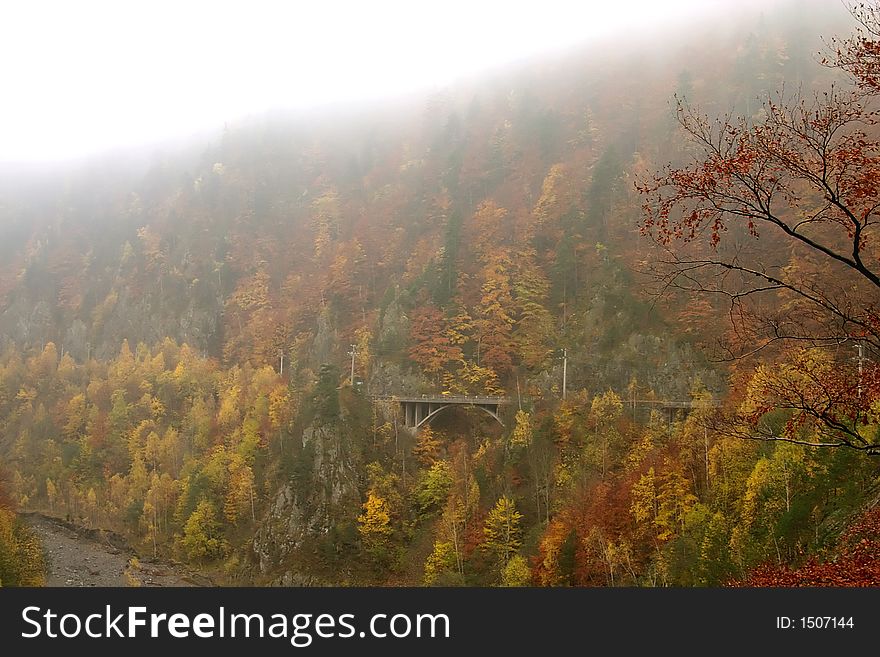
<point x="663" y="257"/>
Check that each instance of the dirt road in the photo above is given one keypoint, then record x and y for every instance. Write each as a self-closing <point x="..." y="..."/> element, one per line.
<point x="85" y="557"/>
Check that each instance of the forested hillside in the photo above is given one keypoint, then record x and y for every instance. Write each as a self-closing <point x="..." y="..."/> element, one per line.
<point x="179" y="336"/>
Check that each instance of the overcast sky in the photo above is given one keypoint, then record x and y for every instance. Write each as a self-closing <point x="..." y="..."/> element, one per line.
<point x="83" y="76"/>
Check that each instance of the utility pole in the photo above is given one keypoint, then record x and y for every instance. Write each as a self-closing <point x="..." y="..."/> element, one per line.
<point x="352" y="353"/>
<point x="564" y="370"/>
<point x="281" y="368"/>
<point x="861" y="359"/>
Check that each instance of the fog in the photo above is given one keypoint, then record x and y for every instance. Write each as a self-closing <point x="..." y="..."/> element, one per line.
<point x="92" y="77"/>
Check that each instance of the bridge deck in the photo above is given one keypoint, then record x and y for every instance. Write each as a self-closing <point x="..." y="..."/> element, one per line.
<point x="676" y="404"/>
<point x="444" y="399"/>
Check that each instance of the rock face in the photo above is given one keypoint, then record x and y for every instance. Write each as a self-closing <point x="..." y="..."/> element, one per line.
<point x="325" y="494"/>
<point x="280" y="532"/>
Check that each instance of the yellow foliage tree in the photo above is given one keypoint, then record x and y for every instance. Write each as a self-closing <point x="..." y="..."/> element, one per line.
<point x="21" y="555"/>
<point x="374" y="524"/>
<point x="201" y="534"/>
<point x="516" y="572"/>
<point x="441" y="565"/>
<point x="522" y="430"/>
<point x="502" y="532"/>
<point x="427" y="449"/>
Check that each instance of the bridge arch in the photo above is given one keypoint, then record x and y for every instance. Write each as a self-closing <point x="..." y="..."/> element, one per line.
<point x="432" y="414"/>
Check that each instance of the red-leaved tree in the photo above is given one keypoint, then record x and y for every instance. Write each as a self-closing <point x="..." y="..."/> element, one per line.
<point x="779" y="215"/>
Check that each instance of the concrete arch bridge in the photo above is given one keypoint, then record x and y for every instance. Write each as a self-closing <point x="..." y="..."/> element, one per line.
<point x="419" y="410"/>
